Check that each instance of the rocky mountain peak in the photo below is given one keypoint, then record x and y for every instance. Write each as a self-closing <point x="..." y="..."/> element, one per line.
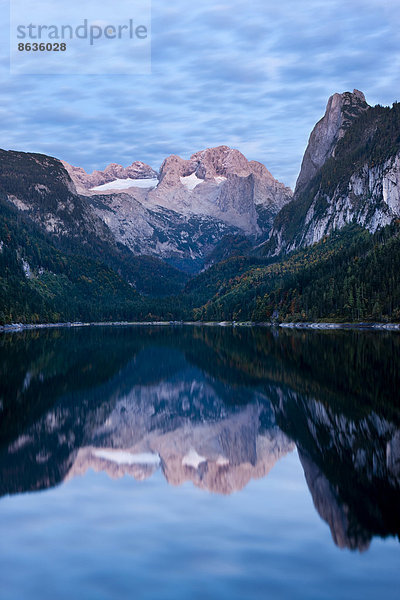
<point x="208" y="164"/>
<point x="355" y="150"/>
<point x="359" y="95"/>
<point x="261" y="170"/>
<point x="220" y="161"/>
<point x="340" y="112"/>
<point x="173" y="168"/>
<point x="221" y="183"/>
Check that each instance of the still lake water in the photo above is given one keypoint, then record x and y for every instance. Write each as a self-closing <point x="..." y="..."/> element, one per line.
<point x="199" y="462"/>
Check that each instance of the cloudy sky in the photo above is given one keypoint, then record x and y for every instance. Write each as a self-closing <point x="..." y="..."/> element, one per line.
<point x="254" y="75"/>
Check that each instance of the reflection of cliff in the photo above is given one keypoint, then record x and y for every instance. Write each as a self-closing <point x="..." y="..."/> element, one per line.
<point x="221" y="456"/>
<point x="331" y="509"/>
<point x="156" y="411"/>
<point x="352" y="466"/>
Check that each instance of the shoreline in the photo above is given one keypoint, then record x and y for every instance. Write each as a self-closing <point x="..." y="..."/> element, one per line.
<point x="15" y="327"/>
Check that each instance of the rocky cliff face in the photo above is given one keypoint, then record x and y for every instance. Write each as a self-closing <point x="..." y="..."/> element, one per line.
<point x="350" y="173"/>
<point x="183" y="240"/>
<point x="221" y="183"/>
<point x="340" y="112"/>
<point x="372" y="199"/>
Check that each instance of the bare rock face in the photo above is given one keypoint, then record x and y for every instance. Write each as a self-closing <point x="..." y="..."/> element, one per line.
<point x="270" y="195"/>
<point x="173" y="168"/>
<point x="221" y="183"/>
<point x="372" y="200"/>
<point x="184" y="240"/>
<point x="218" y="183"/>
<point x="220" y="162"/>
<point x="341" y="110"/>
<point x="85" y="181"/>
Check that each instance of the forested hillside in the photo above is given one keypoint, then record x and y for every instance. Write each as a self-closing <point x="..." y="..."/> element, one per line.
<point x="350" y="276"/>
<point x="39" y="283"/>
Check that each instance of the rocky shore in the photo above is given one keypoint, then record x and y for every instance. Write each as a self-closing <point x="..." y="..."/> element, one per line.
<point x="320" y="326"/>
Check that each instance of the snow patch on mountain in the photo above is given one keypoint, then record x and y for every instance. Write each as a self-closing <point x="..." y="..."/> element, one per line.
<point x="122" y="457"/>
<point x="191" y="181"/>
<point x="193" y="459"/>
<point x="123" y="184"/>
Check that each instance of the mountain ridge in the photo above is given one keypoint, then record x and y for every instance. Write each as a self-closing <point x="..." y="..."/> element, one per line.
<point x="86" y="181"/>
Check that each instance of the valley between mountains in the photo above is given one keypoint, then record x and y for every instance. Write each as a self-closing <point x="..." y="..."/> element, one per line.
<point x="212" y="237"/>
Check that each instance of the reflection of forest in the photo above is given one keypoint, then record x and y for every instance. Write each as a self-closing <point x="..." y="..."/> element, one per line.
<point x="206" y="402"/>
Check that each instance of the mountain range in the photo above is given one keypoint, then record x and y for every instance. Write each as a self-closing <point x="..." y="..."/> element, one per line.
<point x="182" y="212"/>
<point x="189" y="240"/>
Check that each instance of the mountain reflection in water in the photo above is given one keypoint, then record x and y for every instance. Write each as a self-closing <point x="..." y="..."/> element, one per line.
<point x="214" y="406"/>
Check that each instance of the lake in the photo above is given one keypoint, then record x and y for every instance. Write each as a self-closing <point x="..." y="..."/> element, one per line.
<point x="199" y="462"/>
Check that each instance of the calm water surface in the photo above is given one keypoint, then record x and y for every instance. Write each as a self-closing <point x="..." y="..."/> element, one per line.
<point x="196" y="462"/>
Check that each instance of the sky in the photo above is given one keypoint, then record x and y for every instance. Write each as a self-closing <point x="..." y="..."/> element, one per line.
<point x="254" y="75"/>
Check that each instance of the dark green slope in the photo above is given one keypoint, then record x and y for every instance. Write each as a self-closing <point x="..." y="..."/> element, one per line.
<point x="55" y="286"/>
<point x="350" y="276"/>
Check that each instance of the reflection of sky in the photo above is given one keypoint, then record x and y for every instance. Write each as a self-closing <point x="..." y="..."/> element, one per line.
<point x="253" y="75"/>
<point x="99" y="538"/>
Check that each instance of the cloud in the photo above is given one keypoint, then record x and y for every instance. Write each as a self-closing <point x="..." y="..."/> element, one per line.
<point x="253" y="75"/>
